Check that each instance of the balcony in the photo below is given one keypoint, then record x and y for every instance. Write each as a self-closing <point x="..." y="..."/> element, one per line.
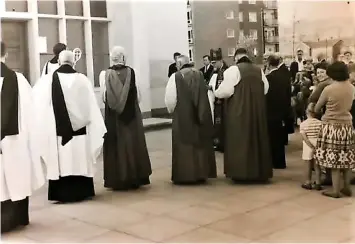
<point x="271" y="4"/>
<point x="272" y="39"/>
<point x="271" y="22"/>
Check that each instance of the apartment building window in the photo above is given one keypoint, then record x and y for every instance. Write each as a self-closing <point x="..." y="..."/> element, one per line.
<point x="277" y="47"/>
<point x="253" y="34"/>
<point x="230" y="33"/>
<point x="241" y="16"/>
<point x="253" y="17"/>
<point x="252" y="1"/>
<point x="241" y="33"/>
<point x="230" y="14"/>
<point x="231" y="51"/>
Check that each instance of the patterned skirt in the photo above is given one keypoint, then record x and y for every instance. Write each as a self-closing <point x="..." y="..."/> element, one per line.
<point x="336" y="146"/>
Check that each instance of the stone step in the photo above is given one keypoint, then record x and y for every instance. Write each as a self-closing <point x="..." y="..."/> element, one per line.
<point x="153" y="124"/>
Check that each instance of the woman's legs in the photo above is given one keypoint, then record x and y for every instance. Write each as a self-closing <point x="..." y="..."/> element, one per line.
<point x="336" y="184"/>
<point x="347" y="186"/>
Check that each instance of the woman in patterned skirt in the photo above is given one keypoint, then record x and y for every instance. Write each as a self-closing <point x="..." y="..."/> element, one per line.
<point x="336" y="141"/>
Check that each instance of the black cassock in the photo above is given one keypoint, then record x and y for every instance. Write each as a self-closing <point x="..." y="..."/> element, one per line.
<point x="219" y="113"/>
<point x="278" y="99"/>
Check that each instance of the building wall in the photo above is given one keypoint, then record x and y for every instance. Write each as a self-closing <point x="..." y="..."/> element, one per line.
<point x="149" y="31"/>
<point x="150" y="37"/>
<point x="247" y="25"/>
<point x="210" y="28"/>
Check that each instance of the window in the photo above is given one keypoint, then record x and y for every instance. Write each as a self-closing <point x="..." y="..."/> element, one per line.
<point x="230" y="33"/>
<point x="252" y="1"/>
<point x="191" y="54"/>
<point x="231" y="51"/>
<point x="98" y="9"/>
<point x="190" y="34"/>
<point x="230" y="14"/>
<point x="253" y="17"/>
<point x="241" y="33"/>
<point x="240" y="16"/>
<point x="253" y="34"/>
<point x="277" y="48"/>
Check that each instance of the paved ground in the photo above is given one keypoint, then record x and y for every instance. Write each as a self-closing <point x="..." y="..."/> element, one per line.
<point x="217" y="212"/>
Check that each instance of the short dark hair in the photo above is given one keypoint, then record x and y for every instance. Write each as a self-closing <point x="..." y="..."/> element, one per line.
<point x="321" y="65"/>
<point x="3" y="49"/>
<point x="177" y="55"/>
<point x="338" y="71"/>
<point x="58" y="48"/>
<point x="273" y="60"/>
<point x="240" y="51"/>
<point x="299" y="51"/>
<point x="207" y="56"/>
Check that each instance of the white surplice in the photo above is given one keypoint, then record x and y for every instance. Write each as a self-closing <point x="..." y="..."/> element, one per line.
<point x="210" y="93"/>
<point x="102" y="80"/>
<point x="51" y="68"/>
<point x="232" y="77"/>
<point x="171" y="94"/>
<point x="21" y="171"/>
<point x="80" y="154"/>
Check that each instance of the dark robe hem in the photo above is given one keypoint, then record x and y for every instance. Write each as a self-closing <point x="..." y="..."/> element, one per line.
<point x="71" y="189"/>
<point x="127" y="185"/>
<point x="14" y="214"/>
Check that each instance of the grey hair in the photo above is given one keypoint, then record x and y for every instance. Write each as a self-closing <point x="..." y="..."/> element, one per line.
<point x="118" y="55"/>
<point x="183" y="59"/>
<point x="66" y="57"/>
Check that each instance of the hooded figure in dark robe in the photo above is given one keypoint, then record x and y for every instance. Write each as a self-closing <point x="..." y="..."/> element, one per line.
<point x="126" y="159"/>
<point x="247" y="154"/>
<point x="193" y="159"/>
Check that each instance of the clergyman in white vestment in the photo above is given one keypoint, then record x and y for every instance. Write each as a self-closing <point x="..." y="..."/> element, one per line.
<point x="72" y="131"/>
<point x="21" y="171"/>
<point x="52" y="65"/>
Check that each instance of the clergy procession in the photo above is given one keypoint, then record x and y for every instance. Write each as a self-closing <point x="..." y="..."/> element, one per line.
<point x="56" y="130"/>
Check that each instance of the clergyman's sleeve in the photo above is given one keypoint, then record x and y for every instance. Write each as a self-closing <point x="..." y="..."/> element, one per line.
<point x="231" y="79"/>
<point x="171" y="94"/>
<point x="266" y="82"/>
<point x="102" y="85"/>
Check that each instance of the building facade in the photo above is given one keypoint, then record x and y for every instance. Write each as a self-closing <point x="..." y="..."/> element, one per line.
<point x="229" y="24"/>
<point x="271" y="27"/>
<point x="31" y="28"/>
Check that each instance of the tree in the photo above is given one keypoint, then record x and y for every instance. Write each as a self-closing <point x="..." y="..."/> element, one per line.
<point x="249" y="43"/>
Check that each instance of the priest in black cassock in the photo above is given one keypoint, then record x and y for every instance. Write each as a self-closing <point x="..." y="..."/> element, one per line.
<point x="219" y="103"/>
<point x="126" y="159"/>
<point x="289" y="120"/>
<point x="278" y="106"/>
<point x="247" y="154"/>
<point x="193" y="159"/>
<point x="72" y="132"/>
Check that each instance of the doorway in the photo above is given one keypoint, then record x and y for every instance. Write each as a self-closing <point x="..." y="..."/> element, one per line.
<point x="14" y="35"/>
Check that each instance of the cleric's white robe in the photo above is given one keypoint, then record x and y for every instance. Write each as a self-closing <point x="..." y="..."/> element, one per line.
<point x="211" y="96"/>
<point x="51" y="68"/>
<point x="21" y="171"/>
<point x="80" y="154"/>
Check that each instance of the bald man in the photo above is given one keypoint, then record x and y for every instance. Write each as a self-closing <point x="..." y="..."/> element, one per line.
<point x="193" y="159"/>
<point x="72" y="131"/>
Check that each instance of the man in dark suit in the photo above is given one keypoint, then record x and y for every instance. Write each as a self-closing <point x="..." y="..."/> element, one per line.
<point x="278" y="104"/>
<point x="285" y="75"/>
<point x="297" y="65"/>
<point x="207" y="69"/>
<point x="172" y="67"/>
